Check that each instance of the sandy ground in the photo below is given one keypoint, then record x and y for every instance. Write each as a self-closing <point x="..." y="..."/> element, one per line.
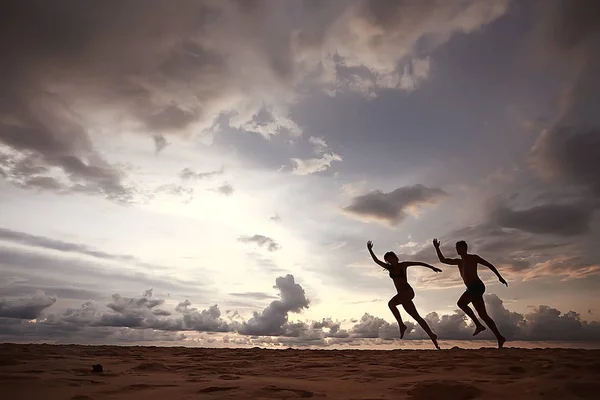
<point x="64" y="372"/>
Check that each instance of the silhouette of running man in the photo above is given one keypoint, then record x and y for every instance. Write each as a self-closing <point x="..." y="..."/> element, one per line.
<point x="467" y="266"/>
<point x="406" y="294"/>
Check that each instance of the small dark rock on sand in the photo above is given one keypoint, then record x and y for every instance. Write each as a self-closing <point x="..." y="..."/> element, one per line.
<point x="97" y="368"/>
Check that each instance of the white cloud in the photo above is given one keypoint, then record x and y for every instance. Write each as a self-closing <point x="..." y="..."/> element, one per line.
<point x="314" y="165"/>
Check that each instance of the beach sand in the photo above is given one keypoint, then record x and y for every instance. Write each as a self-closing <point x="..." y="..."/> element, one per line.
<point x="29" y="372"/>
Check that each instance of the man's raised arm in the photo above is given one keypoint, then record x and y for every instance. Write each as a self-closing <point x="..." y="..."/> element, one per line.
<point x="449" y="261"/>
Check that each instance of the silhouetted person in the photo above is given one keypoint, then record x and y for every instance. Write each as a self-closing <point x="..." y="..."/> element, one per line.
<point x="406" y="294"/>
<point x="467" y="266"/>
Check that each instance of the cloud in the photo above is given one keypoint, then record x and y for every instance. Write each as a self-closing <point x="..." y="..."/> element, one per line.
<point x="225" y="189"/>
<point x="29" y="308"/>
<point x="375" y="42"/>
<point x="370" y="326"/>
<point x="543" y="323"/>
<point x="193" y="70"/>
<point x="314" y="165"/>
<point x="565" y="267"/>
<point x="160" y="143"/>
<point x="62" y="173"/>
<point x="569" y="33"/>
<point x="41" y="268"/>
<point x="188" y="174"/>
<point x="557" y="219"/>
<point x="391" y="208"/>
<point x="131" y="319"/>
<point x="41" y="242"/>
<point x="320" y="163"/>
<point x="320" y="145"/>
<point x="262" y="241"/>
<point x="273" y="320"/>
<point x="570" y="156"/>
<point x="253" y="295"/>
<point x="513" y="252"/>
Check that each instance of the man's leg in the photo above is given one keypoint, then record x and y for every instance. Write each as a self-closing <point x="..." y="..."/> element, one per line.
<point x="393" y="305"/>
<point x="463" y="304"/>
<point x="479" y="305"/>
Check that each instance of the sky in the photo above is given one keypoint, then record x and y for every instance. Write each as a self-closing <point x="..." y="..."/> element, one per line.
<point x="209" y="172"/>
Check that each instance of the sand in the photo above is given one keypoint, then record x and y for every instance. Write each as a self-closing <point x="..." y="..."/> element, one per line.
<point x="50" y="372"/>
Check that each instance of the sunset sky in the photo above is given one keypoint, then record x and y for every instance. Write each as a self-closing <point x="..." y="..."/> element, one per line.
<point x="211" y="170"/>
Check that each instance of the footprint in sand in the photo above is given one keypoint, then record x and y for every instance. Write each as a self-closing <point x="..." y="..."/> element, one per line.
<point x="439" y="390"/>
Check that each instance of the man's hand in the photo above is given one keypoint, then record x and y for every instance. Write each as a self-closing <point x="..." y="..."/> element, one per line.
<point x="436" y="243"/>
<point x="501" y="279"/>
<point x="369" y="245"/>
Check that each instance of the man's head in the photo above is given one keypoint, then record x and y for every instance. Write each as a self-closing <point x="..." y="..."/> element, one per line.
<point x="461" y="247"/>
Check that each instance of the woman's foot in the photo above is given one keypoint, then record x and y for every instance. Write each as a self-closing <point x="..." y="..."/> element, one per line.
<point x="402" y="330"/>
<point x="434" y="340"/>
<point x="501" y="341"/>
<point x="478" y="330"/>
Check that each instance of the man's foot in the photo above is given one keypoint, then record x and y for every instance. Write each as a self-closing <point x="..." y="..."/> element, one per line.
<point x="478" y="330"/>
<point x="402" y="330"/>
<point x="434" y="340"/>
<point x="501" y="341"/>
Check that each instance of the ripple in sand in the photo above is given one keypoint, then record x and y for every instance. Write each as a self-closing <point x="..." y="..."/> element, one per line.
<point x="584" y="390"/>
<point x="148" y="366"/>
<point x="434" y="390"/>
<point x="229" y="377"/>
<point x="277" y="392"/>
<point x="211" y="389"/>
<point x="9" y="361"/>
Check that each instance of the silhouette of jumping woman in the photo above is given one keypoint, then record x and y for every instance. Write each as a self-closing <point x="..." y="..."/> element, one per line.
<point x="467" y="266"/>
<point x="406" y="294"/>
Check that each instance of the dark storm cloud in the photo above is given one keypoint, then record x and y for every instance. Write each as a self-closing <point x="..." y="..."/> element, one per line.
<point x="62" y="52"/>
<point x="567" y="153"/>
<point x="28" y="308"/>
<point x="558" y="219"/>
<point x="570" y="31"/>
<point x="392" y="207"/>
<point x="570" y="156"/>
<point x="262" y="241"/>
<point x="164" y="70"/>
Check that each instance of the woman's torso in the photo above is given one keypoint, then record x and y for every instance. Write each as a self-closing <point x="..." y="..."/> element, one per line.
<point x="398" y="275"/>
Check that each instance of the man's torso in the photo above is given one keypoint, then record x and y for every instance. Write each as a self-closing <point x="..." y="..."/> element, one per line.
<point x="468" y="269"/>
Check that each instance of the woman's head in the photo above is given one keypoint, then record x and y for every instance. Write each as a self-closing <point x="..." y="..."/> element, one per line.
<point x="390" y="257"/>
